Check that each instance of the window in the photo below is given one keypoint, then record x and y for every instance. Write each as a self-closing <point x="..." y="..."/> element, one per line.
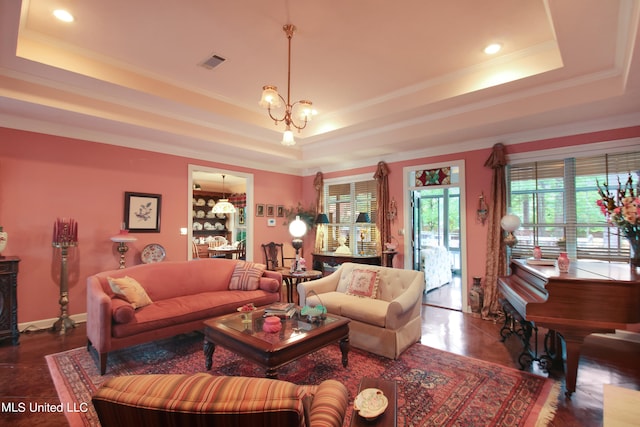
<point x="343" y="202"/>
<point x="556" y="202"/>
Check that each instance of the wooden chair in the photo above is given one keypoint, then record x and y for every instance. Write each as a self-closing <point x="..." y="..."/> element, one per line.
<point x="214" y="242"/>
<point x="242" y="247"/>
<point x="273" y="255"/>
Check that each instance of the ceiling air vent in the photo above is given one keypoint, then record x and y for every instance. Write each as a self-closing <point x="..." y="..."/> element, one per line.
<point x="213" y="62"/>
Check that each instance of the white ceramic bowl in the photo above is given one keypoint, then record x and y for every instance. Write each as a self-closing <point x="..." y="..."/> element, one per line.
<point x="370" y="403"/>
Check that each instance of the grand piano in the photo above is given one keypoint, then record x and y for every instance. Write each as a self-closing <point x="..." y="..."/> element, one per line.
<point x="593" y="297"/>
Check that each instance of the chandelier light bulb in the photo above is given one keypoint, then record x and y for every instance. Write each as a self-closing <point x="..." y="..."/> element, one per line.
<point x="287" y="138"/>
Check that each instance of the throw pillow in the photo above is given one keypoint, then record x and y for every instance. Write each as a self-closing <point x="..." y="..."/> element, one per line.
<point x="246" y="276"/>
<point x="130" y="290"/>
<point x="364" y="283"/>
<point x="122" y="311"/>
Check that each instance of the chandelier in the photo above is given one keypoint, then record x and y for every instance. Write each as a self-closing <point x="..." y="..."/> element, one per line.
<point x="271" y="100"/>
<point x="223" y="206"/>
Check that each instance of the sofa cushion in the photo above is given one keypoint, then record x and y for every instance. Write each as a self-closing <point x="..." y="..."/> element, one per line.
<point x="246" y="276"/>
<point x="363" y="283"/>
<point x="130" y="290"/>
<point x="202" y="393"/>
<point x="269" y="284"/>
<point x="122" y="311"/>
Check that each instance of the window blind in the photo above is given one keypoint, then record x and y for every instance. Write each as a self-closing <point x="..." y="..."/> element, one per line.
<point x="556" y="202"/>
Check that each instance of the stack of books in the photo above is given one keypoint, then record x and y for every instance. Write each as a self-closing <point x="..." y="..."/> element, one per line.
<point x="284" y="310"/>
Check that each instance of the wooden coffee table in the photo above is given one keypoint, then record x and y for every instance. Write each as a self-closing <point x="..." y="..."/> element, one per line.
<point x="389" y="417"/>
<point x="296" y="339"/>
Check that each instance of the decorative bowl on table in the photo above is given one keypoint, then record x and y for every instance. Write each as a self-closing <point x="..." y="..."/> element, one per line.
<point x="272" y="324"/>
<point x="370" y="403"/>
<point x="245" y="312"/>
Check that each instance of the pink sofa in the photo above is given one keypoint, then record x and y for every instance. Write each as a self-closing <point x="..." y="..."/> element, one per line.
<point x="183" y="295"/>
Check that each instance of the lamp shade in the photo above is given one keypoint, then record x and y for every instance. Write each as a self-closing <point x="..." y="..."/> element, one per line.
<point x="363" y="217"/>
<point x="510" y="223"/>
<point x="322" y="219"/>
<point x="269" y="97"/>
<point x="223" y="206"/>
<point x="287" y="138"/>
<point x="297" y="228"/>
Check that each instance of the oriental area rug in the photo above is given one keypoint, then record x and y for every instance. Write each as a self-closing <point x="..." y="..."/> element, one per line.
<point x="435" y="388"/>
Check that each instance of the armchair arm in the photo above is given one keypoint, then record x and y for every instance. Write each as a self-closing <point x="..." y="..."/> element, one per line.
<point x="329" y="404"/>
<point x="401" y="308"/>
<point x="98" y="315"/>
<point x="320" y="286"/>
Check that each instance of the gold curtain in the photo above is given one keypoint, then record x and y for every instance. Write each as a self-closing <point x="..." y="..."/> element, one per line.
<point x="496" y="251"/>
<point x="382" y="220"/>
<point x="318" y="184"/>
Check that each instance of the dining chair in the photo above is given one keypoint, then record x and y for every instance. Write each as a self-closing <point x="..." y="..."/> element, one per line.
<point x="273" y="255"/>
<point x="242" y="250"/>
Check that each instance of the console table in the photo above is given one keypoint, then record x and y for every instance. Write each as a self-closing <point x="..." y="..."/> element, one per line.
<point x="333" y="259"/>
<point x="9" y="299"/>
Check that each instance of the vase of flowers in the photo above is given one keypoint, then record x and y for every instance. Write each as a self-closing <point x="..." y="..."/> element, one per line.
<point x="621" y="209"/>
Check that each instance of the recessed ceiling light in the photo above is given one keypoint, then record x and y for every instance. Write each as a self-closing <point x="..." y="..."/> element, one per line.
<point x="492" y="48"/>
<point x="63" y="15"/>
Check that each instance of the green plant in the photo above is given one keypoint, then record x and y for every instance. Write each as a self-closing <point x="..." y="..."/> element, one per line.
<point x="308" y="215"/>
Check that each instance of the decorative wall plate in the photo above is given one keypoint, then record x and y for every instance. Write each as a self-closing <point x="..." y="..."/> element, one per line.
<point x="153" y="253"/>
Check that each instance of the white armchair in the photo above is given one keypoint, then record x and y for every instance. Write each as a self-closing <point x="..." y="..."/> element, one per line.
<point x="386" y="324"/>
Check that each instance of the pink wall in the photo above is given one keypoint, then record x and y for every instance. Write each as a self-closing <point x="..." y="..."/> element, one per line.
<point x="44" y="177"/>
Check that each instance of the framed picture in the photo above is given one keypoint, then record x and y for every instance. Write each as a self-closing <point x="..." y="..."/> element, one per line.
<point x="241" y="214"/>
<point x="142" y="212"/>
<point x="271" y="222"/>
<point x="259" y="209"/>
<point x="280" y="211"/>
<point x="271" y="210"/>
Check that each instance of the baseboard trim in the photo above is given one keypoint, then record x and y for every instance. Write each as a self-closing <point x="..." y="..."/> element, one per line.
<point x="39" y="325"/>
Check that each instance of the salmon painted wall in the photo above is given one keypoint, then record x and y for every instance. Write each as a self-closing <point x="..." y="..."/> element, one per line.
<point x="45" y="177"/>
<point x="477" y="180"/>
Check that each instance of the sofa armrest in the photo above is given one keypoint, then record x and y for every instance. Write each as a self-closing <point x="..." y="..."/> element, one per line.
<point x="329" y="405"/>
<point x="400" y="308"/>
<point x="98" y="315"/>
<point x="320" y="286"/>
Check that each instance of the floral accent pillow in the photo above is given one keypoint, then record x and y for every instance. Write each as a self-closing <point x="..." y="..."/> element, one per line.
<point x="363" y="283"/>
<point x="129" y="290"/>
<point x="246" y="276"/>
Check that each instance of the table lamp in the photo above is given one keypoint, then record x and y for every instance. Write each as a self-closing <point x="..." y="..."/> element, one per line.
<point x="321" y="221"/>
<point x="122" y="239"/>
<point x="510" y="223"/>
<point x="363" y="218"/>
<point x="297" y="229"/>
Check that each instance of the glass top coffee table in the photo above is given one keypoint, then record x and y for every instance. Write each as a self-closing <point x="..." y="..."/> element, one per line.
<point x="243" y="335"/>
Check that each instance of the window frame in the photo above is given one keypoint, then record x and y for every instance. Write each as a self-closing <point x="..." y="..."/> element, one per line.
<point x="350" y="228"/>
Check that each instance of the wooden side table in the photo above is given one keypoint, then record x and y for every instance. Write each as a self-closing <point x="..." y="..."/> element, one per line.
<point x="389" y="418"/>
<point x="292" y="279"/>
<point x="9" y="299"/>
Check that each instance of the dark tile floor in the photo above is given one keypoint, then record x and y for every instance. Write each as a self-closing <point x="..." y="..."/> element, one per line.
<point x="24" y="376"/>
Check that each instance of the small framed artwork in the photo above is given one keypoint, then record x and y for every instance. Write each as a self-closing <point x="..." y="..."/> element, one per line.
<point x="271" y="210"/>
<point x="280" y="211"/>
<point x="241" y="214"/>
<point x="259" y="209"/>
<point x="271" y="222"/>
<point x="142" y="212"/>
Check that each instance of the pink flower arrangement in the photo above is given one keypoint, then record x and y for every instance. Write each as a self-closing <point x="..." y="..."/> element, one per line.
<point x="620" y="208"/>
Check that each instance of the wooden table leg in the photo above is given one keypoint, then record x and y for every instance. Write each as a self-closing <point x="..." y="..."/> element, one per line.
<point x="344" y="348"/>
<point x="209" y="348"/>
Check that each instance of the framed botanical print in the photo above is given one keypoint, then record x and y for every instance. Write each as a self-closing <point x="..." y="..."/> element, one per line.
<point x="142" y="212"/>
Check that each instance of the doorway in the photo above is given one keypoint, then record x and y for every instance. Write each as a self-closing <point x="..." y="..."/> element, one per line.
<point x="437" y="246"/>
<point x="235" y="227"/>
